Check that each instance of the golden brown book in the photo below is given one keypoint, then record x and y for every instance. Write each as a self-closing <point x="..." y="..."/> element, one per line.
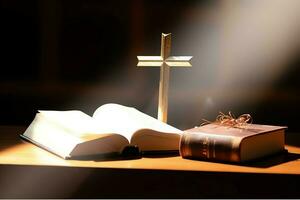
<point x="223" y="143"/>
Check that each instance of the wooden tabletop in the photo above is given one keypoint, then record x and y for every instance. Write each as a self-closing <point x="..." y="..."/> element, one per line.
<point x="15" y="151"/>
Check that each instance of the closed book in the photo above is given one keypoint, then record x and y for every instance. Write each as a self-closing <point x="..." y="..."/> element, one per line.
<point x="223" y="143"/>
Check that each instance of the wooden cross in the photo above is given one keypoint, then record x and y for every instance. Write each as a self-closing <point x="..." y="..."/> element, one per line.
<point x="164" y="61"/>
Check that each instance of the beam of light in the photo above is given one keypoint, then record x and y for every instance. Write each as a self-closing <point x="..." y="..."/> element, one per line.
<point x="28" y="181"/>
<point x="240" y="49"/>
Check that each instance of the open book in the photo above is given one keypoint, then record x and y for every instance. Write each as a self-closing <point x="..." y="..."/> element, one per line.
<point x="112" y="128"/>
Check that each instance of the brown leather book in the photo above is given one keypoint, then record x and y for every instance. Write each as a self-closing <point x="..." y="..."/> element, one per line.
<point x="223" y="143"/>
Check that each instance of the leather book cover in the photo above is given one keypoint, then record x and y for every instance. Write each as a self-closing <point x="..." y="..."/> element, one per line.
<point x="216" y="142"/>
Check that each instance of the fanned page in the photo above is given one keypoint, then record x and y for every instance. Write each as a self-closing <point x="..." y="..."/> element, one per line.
<point x="147" y="132"/>
<point x="72" y="133"/>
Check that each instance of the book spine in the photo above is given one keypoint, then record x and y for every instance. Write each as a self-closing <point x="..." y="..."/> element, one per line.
<point x="202" y="146"/>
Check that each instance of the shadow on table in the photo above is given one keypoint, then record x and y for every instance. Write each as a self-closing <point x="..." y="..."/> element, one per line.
<point x="265" y="162"/>
<point x="273" y="160"/>
<point x="160" y="154"/>
<point x="106" y="157"/>
<point x="129" y="153"/>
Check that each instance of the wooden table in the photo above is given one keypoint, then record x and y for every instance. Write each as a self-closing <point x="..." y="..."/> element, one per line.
<point x="27" y="171"/>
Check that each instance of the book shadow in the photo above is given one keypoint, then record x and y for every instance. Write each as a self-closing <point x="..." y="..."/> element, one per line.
<point x="118" y="157"/>
<point x="128" y="153"/>
<point x="160" y="154"/>
<point x="273" y="160"/>
<point x="106" y="157"/>
<point x="265" y="162"/>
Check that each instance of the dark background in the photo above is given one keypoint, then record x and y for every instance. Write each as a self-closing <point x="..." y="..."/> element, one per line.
<point x="80" y="54"/>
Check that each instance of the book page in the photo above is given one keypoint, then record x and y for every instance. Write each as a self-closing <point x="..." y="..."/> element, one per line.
<point x="51" y="136"/>
<point x="127" y="120"/>
<point x="150" y="140"/>
<point x="75" y="121"/>
<point x="61" y="131"/>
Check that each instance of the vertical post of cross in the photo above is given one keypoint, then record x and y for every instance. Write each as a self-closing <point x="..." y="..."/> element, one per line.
<point x="164" y="78"/>
<point x="164" y="61"/>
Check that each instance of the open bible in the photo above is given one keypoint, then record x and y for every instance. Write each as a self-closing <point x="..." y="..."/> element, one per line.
<point x="112" y="128"/>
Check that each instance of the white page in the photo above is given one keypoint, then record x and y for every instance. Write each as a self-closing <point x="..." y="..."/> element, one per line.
<point x="51" y="135"/>
<point x="126" y="120"/>
<point x="62" y="131"/>
<point x="75" y="121"/>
